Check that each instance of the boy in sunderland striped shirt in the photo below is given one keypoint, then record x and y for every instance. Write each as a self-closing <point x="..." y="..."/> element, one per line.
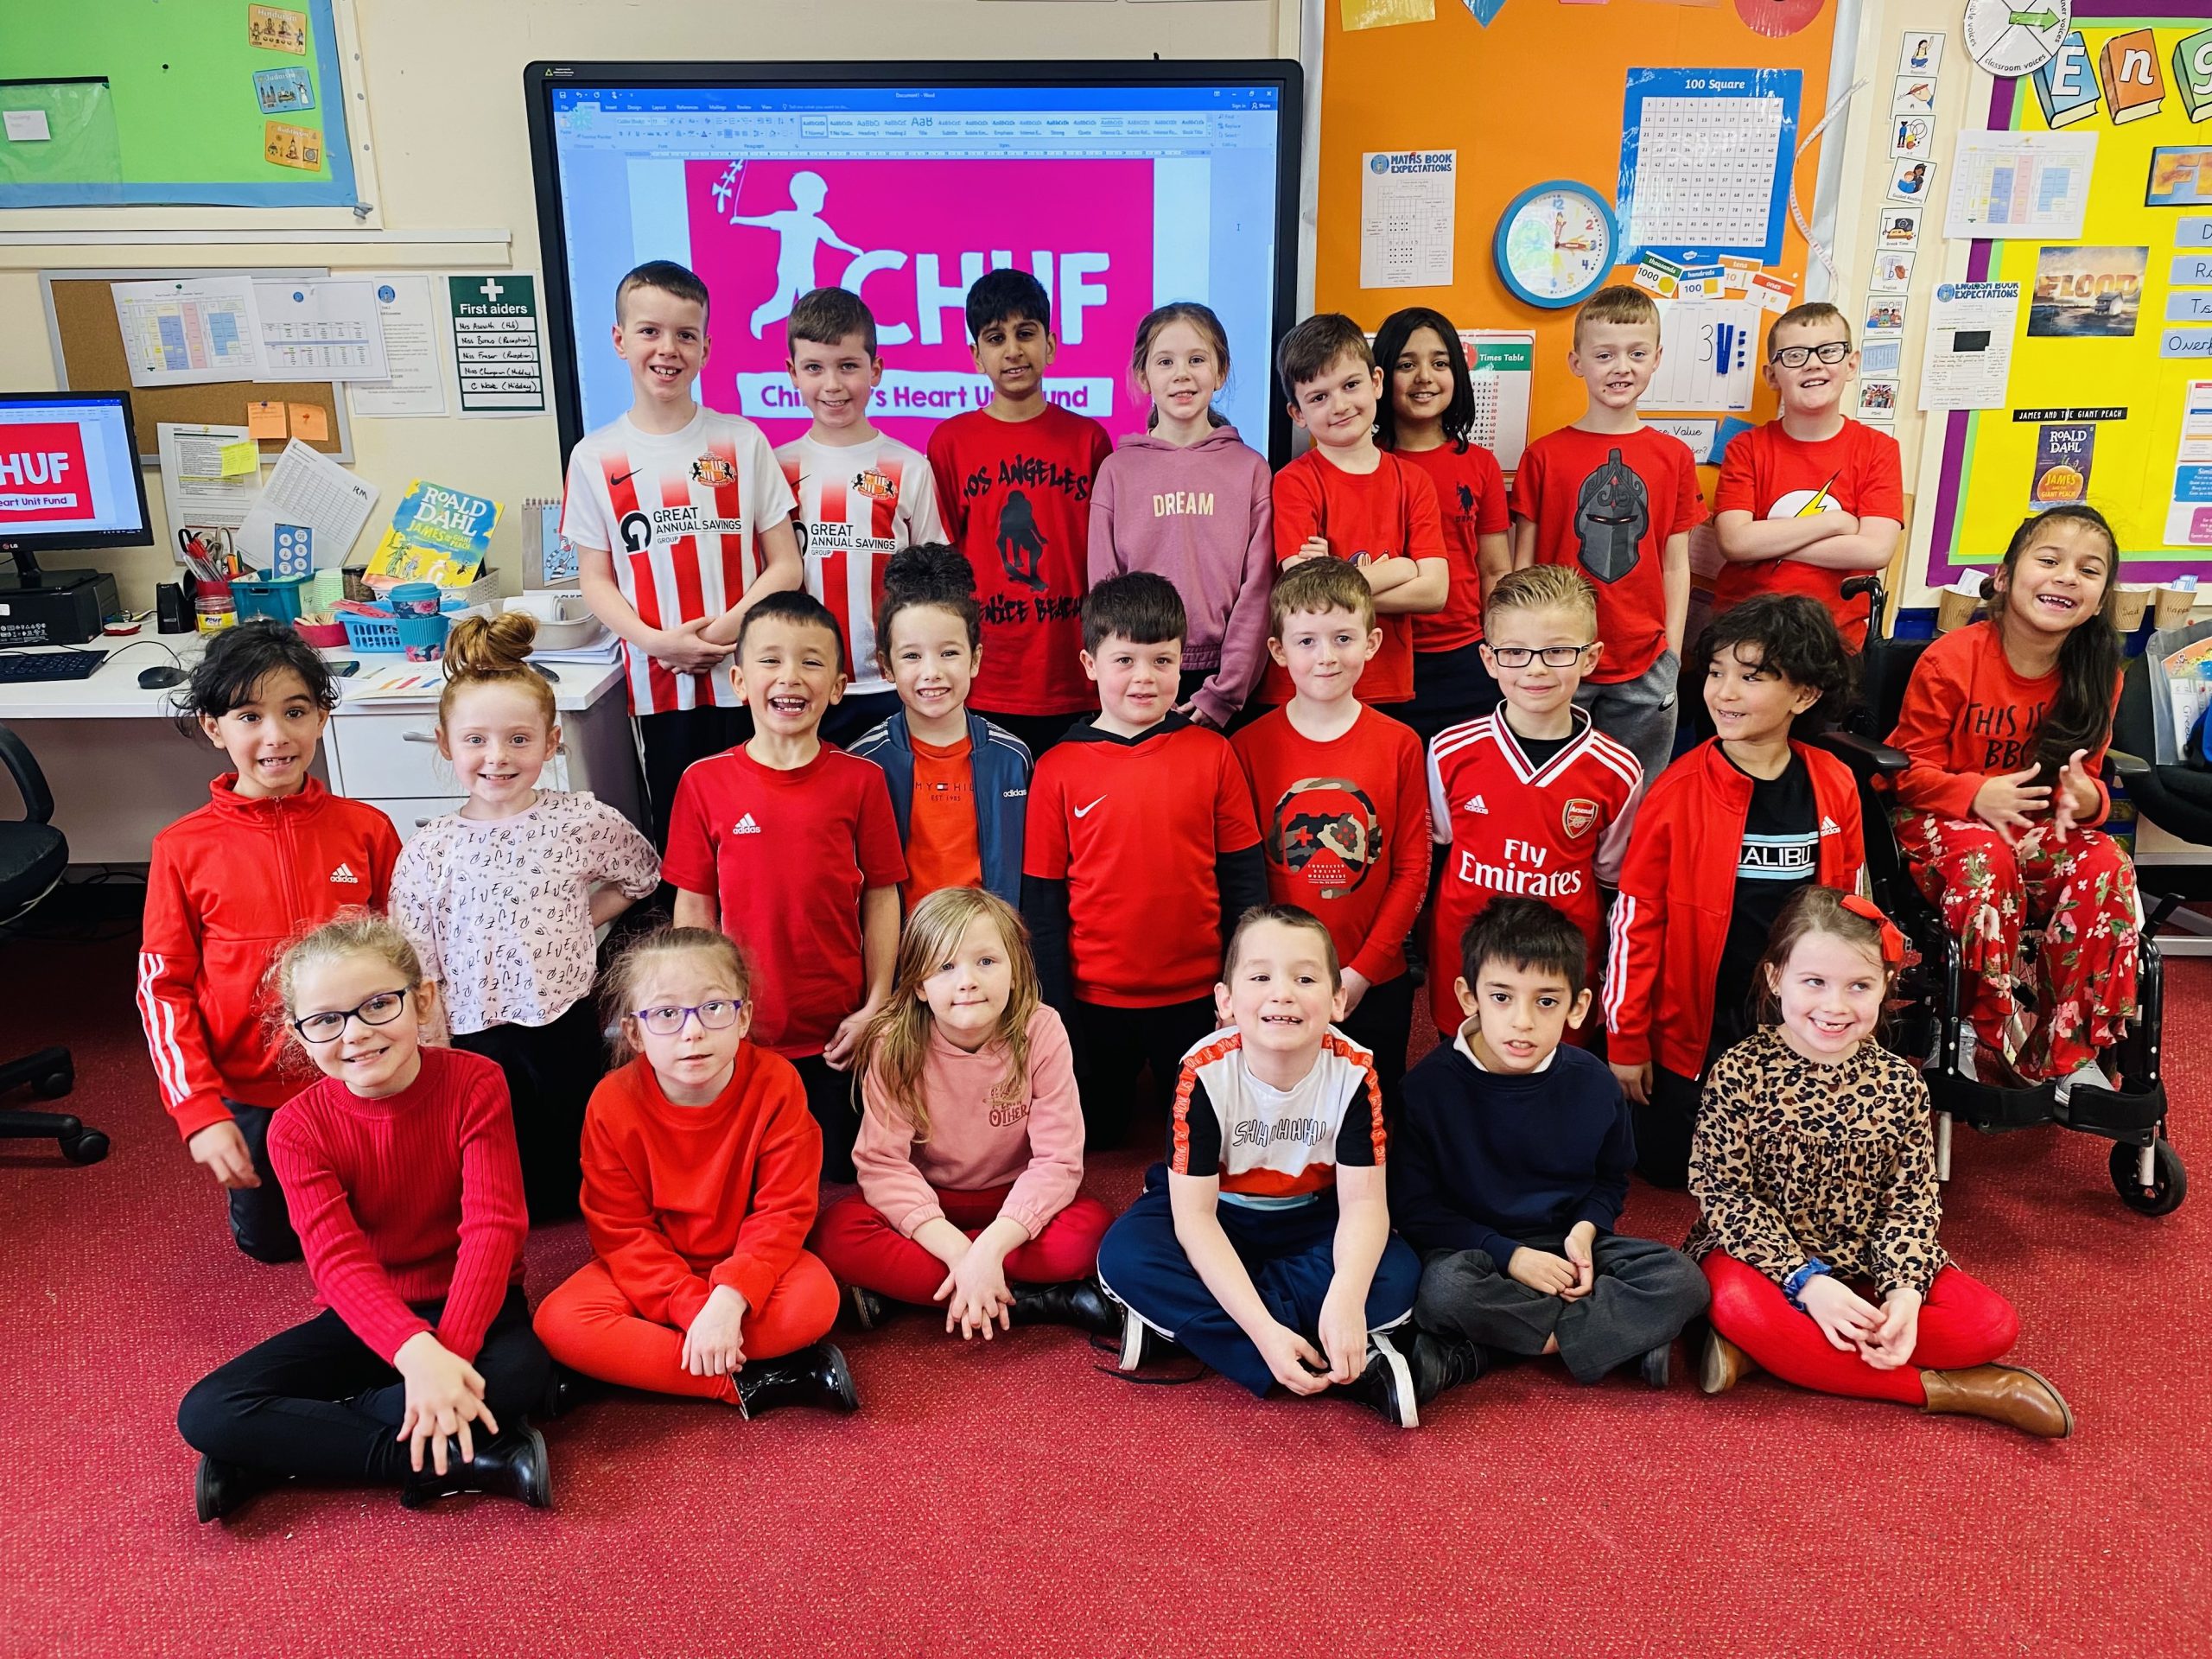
<point x="681" y="521"/>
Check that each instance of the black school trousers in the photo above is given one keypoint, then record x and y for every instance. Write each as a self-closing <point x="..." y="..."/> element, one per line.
<point x="316" y="1403"/>
<point x="1113" y="1047"/>
<point x="551" y="1071"/>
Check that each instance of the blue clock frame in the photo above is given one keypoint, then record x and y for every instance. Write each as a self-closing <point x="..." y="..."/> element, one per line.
<point x="1504" y="222"/>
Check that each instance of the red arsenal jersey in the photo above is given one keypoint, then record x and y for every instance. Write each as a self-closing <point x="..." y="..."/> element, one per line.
<point x="1015" y="496"/>
<point x="1551" y="831"/>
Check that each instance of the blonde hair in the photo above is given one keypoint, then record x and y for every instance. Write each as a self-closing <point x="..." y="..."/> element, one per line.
<point x="1620" y="304"/>
<point x="895" y="1047"/>
<point x="619" y="999"/>
<point x="1316" y="587"/>
<point x="494" y="650"/>
<point x="1541" y="587"/>
<point x="354" y="931"/>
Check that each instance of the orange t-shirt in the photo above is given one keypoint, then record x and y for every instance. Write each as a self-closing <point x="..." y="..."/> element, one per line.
<point x="941" y="845"/>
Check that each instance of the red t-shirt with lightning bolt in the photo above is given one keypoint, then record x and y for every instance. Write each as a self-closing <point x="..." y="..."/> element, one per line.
<point x="681" y="514"/>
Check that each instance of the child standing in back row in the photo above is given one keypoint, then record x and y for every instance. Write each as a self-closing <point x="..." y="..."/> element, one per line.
<point x="1191" y="500"/>
<point x="1344" y="498"/>
<point x="271" y="851"/>
<point x="862" y="495"/>
<point x="1014" y="482"/>
<point x="682" y="521"/>
<point x="1617" y="500"/>
<point x="502" y="899"/>
<point x="1424" y="420"/>
<point x="2007" y="722"/>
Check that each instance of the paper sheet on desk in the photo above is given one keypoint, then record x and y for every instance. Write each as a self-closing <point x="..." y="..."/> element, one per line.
<point x="192" y="480"/>
<point x="306" y="487"/>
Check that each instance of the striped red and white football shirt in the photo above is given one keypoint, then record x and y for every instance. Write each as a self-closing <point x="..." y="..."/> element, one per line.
<point x="682" y="514"/>
<point x="858" y="505"/>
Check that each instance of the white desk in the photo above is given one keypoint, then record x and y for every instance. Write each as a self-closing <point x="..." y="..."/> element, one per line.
<point x="120" y="770"/>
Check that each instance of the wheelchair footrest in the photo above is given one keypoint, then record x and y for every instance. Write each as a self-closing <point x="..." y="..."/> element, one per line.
<point x="1985" y="1107"/>
<point x="2126" y="1113"/>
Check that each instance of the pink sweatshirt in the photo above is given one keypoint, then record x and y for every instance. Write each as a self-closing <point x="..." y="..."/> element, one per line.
<point x="1036" y="1143"/>
<point x="1203" y="518"/>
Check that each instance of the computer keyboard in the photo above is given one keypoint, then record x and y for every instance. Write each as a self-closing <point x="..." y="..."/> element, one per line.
<point x="16" y="667"/>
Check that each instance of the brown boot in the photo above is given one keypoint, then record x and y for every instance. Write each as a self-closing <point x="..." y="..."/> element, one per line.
<point x="1722" y="1364"/>
<point x="2003" y="1394"/>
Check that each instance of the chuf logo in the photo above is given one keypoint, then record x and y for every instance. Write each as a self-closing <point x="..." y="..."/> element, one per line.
<point x="42" y="472"/>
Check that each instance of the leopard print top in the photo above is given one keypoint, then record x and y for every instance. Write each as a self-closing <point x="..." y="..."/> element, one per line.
<point x="1793" y="1159"/>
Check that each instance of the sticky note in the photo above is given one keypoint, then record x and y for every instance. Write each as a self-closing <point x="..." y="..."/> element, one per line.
<point x="241" y="458"/>
<point x="25" y="126"/>
<point x="273" y="28"/>
<point x="265" y="419"/>
<point x="310" y="421"/>
<point x="287" y="145"/>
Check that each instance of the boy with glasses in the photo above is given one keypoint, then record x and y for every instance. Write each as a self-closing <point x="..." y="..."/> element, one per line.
<point x="1814" y="497"/>
<point x="1530" y="799"/>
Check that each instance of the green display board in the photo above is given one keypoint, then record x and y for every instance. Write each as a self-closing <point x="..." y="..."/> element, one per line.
<point x="221" y="102"/>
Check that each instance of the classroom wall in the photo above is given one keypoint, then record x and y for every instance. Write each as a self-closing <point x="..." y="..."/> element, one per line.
<point x="443" y="114"/>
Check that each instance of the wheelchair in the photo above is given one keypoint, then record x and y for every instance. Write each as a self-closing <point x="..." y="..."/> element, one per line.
<point x="1931" y="1029"/>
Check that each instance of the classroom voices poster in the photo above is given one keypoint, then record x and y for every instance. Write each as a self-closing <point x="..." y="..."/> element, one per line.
<point x="909" y="236"/>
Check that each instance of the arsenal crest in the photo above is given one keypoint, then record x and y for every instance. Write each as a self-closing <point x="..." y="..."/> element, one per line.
<point x="713" y="472"/>
<point x="1577" y="817"/>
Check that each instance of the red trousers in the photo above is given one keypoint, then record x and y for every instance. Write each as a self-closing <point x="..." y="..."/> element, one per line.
<point x="2080" y="891"/>
<point x="1962" y="1323"/>
<point x="589" y="1325"/>
<point x="863" y="1248"/>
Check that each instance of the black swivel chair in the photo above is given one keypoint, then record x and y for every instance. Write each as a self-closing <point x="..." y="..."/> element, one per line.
<point x="33" y="855"/>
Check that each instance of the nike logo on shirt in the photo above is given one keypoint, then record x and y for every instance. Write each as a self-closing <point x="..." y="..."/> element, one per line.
<point x="1081" y="810"/>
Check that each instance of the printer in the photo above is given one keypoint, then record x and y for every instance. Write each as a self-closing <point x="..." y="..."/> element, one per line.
<point x="55" y="608"/>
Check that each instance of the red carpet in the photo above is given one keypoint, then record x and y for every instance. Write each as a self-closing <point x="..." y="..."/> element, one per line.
<point x="1012" y="1498"/>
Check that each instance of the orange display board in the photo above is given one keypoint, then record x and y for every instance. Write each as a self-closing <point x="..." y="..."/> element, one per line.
<point x="1535" y="96"/>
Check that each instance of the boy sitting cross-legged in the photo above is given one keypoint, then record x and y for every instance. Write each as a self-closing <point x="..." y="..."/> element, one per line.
<point x="1263" y="1244"/>
<point x="1512" y="1165"/>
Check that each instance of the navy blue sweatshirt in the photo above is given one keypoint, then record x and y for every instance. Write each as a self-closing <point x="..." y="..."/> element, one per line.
<point x="1483" y="1159"/>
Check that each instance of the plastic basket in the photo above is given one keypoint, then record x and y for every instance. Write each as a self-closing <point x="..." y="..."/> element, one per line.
<point x="276" y="597"/>
<point x="369" y="633"/>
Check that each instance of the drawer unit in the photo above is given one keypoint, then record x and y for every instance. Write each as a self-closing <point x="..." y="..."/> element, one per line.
<point x="375" y="757"/>
<point x="411" y="817"/>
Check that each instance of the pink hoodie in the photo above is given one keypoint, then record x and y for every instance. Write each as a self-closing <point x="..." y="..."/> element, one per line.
<point x="1035" y="1143"/>
<point x="1202" y="516"/>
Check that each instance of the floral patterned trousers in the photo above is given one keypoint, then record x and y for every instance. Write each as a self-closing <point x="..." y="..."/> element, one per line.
<point x="2080" y="891"/>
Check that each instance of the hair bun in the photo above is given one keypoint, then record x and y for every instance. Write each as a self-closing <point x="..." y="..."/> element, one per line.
<point x="929" y="570"/>
<point x="481" y="646"/>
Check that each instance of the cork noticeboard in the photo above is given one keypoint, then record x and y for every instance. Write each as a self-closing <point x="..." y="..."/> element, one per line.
<point x="88" y="355"/>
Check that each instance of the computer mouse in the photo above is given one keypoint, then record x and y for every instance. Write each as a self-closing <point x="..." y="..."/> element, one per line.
<point x="160" y="674"/>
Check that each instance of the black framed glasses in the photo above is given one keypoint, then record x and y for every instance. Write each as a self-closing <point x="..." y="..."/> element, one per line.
<point x="1796" y="357"/>
<point x="717" y="1014"/>
<point x="379" y="1010"/>
<point x="1553" y="656"/>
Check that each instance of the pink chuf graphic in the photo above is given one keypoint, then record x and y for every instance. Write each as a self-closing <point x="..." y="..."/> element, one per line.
<point x="909" y="236"/>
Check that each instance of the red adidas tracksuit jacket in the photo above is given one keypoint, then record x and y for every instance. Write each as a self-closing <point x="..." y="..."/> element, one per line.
<point x="1678" y="889"/>
<point x="227" y="886"/>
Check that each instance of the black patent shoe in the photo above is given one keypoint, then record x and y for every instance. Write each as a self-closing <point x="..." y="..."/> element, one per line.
<point x="813" y="1377"/>
<point x="512" y="1464"/>
<point x="1399" y="1382"/>
<point x="223" y="1489"/>
<point x="1079" y="1303"/>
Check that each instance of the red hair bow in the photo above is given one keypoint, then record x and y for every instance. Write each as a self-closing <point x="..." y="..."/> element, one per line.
<point x="1893" y="940"/>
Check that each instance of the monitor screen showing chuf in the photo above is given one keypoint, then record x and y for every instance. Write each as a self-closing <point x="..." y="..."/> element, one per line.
<point x="1120" y="186"/>
<point x="69" y="473"/>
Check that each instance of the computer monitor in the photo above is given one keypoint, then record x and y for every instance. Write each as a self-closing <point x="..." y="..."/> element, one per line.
<point x="69" y="475"/>
<point x="1120" y="186"/>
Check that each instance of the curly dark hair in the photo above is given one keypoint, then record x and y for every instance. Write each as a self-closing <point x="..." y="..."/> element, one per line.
<point x="1795" y="636"/>
<point x="928" y="573"/>
<point x="239" y="659"/>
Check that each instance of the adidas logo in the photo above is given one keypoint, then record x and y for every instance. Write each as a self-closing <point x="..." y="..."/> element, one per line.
<point x="1475" y="803"/>
<point x="1828" y="826"/>
<point x="745" y="826"/>
<point x="346" y="874"/>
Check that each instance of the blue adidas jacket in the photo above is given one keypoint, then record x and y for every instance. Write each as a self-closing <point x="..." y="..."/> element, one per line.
<point x="1001" y="764"/>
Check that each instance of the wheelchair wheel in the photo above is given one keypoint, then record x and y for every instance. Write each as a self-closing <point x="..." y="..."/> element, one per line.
<point x="2169" y="1180"/>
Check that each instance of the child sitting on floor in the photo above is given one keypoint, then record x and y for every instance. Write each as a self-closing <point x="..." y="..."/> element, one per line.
<point x="1512" y="1165"/>
<point x="400" y="1170"/>
<point x="970" y="1148"/>
<point x="700" y="1165"/>
<point x="1263" y="1245"/>
<point x="1813" y="1167"/>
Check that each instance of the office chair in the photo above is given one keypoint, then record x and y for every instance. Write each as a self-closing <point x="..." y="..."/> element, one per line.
<point x="33" y="855"/>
